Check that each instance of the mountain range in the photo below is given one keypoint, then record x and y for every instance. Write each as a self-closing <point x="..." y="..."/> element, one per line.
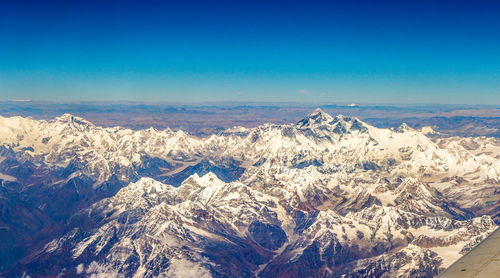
<point x="323" y="197"/>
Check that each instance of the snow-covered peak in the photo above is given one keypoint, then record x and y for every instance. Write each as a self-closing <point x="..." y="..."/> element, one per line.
<point x="72" y="121"/>
<point x="349" y="124"/>
<point x="340" y="124"/>
<point x="403" y="128"/>
<point x="148" y="185"/>
<point x="315" y="118"/>
<point x="428" y="130"/>
<point x="208" y="180"/>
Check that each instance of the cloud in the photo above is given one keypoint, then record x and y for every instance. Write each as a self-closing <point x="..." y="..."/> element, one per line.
<point x="185" y="269"/>
<point x="79" y="269"/>
<point x="95" y="270"/>
<point x="304" y="92"/>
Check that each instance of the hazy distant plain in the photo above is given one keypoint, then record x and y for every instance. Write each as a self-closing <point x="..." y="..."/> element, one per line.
<point x="207" y="118"/>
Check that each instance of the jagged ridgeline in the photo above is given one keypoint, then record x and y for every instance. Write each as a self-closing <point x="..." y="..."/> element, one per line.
<point x="325" y="197"/>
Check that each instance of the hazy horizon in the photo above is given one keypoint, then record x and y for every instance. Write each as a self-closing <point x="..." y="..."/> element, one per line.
<point x="205" y="118"/>
<point x="242" y="102"/>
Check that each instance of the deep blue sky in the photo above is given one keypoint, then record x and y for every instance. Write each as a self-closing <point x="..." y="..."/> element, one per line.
<point x="168" y="51"/>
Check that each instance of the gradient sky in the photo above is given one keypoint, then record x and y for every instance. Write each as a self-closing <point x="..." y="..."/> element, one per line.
<point x="190" y="51"/>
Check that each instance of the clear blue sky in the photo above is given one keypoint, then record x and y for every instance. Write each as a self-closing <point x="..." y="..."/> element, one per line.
<point x="168" y="51"/>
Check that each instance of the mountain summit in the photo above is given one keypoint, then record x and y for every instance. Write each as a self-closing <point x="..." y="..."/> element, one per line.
<point x="73" y="121"/>
<point x="315" y="118"/>
<point x="340" y="124"/>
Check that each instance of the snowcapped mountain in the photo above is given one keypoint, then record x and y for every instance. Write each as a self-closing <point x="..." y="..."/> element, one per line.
<point x="325" y="197"/>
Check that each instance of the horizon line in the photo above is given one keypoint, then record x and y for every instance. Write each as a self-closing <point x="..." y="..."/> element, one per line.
<point x="229" y="102"/>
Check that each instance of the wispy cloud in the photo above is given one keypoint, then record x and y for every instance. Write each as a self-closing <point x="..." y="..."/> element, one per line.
<point x="185" y="268"/>
<point x="304" y="92"/>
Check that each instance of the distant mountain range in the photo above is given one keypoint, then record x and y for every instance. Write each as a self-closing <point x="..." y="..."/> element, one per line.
<point x="323" y="197"/>
<point x="204" y="119"/>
